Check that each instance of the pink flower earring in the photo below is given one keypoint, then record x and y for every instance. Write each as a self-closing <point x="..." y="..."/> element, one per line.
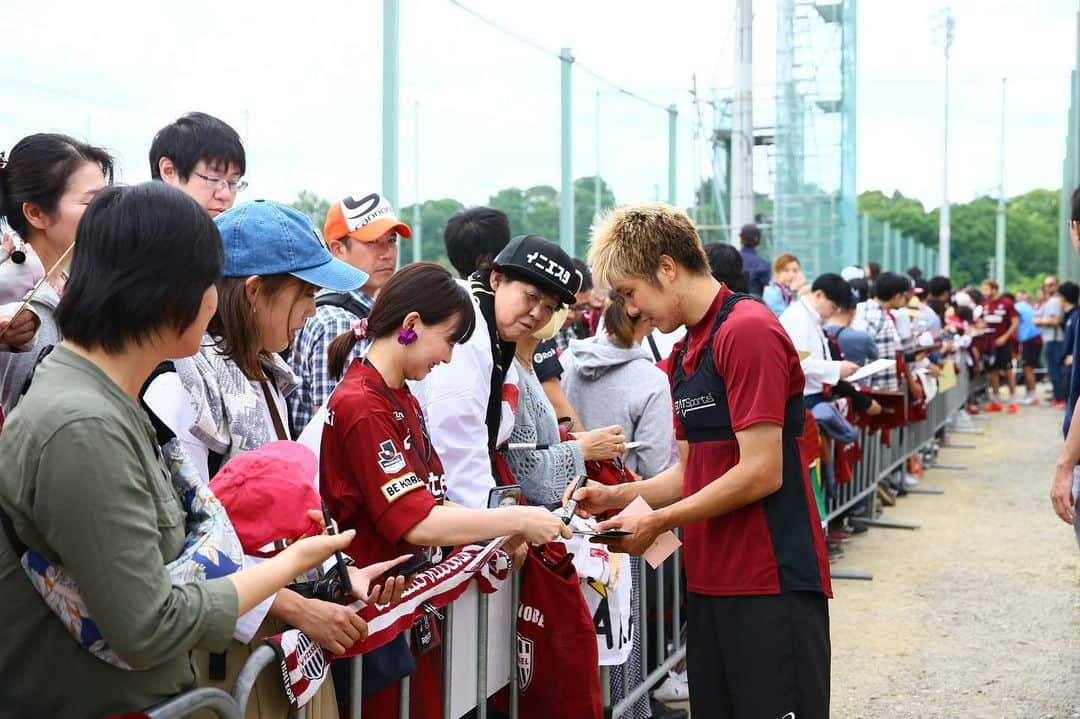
<point x="406" y="336"/>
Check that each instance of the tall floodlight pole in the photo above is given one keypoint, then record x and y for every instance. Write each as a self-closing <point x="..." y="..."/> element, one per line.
<point x="944" y="234"/>
<point x="673" y="131"/>
<point x="417" y="225"/>
<point x="391" y="87"/>
<point x="742" y="122"/>
<point x="999" y="238"/>
<point x="566" y="194"/>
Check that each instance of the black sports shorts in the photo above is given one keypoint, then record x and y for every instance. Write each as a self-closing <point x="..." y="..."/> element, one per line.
<point x="759" y="656"/>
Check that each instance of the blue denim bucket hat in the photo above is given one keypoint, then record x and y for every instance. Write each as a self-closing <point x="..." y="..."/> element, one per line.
<point x="268" y="238"/>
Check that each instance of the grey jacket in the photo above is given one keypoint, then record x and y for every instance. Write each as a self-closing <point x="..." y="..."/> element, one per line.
<point x="609" y="385"/>
<point x="17" y="367"/>
<point x="544" y="473"/>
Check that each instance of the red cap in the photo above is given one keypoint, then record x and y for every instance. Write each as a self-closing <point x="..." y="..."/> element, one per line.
<point x="267" y="493"/>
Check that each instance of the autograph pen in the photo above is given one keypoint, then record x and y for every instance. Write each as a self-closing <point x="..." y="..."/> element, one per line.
<point x="343" y="569"/>
<point x="571" y="506"/>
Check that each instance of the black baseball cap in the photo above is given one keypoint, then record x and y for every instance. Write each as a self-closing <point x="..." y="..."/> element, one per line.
<point x="545" y="263"/>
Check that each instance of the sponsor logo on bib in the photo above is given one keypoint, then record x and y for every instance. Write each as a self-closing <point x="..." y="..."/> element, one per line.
<point x="686" y="405"/>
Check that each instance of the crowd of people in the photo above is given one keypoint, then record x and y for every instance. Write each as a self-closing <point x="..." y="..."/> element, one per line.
<point x="221" y="424"/>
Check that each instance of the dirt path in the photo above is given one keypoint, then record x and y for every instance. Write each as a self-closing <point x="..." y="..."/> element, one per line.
<point x="977" y="613"/>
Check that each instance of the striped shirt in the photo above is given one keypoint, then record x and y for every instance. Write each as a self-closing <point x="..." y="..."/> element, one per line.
<point x="875" y="320"/>
<point x="309" y="358"/>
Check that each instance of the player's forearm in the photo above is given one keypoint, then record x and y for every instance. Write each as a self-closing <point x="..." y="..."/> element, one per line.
<point x="752" y="479"/>
<point x="659" y="491"/>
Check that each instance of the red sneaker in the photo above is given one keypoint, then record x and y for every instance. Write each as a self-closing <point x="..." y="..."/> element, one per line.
<point x="993" y="407"/>
<point x="972" y="409"/>
<point x="1058" y="404"/>
<point x="1012" y="408"/>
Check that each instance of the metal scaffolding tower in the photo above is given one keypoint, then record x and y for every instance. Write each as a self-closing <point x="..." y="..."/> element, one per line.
<point x="814" y="213"/>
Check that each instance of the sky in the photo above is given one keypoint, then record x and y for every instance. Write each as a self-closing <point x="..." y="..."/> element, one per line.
<point x="302" y="83"/>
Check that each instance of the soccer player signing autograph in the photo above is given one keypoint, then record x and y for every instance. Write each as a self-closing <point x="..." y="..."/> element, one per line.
<point x="756" y="565"/>
<point x="380" y="473"/>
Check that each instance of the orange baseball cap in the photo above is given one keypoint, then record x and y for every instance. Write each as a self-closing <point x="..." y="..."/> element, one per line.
<point x="365" y="219"/>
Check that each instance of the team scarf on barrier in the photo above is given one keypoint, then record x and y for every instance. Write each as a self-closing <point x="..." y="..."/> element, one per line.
<point x="305" y="665"/>
<point x="211" y="549"/>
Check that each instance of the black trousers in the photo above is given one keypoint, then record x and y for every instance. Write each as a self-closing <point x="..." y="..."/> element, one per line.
<point x="759" y="657"/>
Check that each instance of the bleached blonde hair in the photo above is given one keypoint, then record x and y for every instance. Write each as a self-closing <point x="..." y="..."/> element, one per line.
<point x="627" y="242"/>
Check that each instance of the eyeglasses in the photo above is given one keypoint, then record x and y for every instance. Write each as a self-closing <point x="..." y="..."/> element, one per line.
<point x="217" y="183"/>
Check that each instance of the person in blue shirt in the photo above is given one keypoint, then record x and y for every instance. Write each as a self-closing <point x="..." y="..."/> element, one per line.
<point x="755" y="267"/>
<point x="1030" y="338"/>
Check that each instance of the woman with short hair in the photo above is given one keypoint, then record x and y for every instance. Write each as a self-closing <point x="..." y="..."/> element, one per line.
<point x="83" y="485"/>
<point x="230" y="397"/>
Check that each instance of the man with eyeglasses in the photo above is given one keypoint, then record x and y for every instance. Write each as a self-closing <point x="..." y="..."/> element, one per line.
<point x="363" y="231"/>
<point x="202" y="156"/>
<point x="1048" y="318"/>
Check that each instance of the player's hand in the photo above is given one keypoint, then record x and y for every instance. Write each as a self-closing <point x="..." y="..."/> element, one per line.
<point x="1061" y="495"/>
<point x="593" y="499"/>
<point x="874" y="408"/>
<point x="644" y="530"/>
<point x="1000" y="341"/>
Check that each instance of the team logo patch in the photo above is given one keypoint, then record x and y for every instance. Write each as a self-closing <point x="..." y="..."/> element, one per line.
<point x="525" y="662"/>
<point x="390" y="459"/>
<point x="396" y="488"/>
<point x="310" y="658"/>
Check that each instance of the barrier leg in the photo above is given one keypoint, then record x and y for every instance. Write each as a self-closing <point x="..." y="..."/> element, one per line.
<point x="842" y="574"/>
<point x="356" y="704"/>
<point x="888" y="523"/>
<point x="605" y="685"/>
<point x="448" y="643"/>
<point x="217" y="701"/>
<point x="676" y="608"/>
<point x="515" y="600"/>
<point x="945" y="465"/>
<point x="403" y="686"/>
<point x="957" y="445"/>
<point x="481" y="656"/>
<point x="661" y="643"/>
<point x="925" y="490"/>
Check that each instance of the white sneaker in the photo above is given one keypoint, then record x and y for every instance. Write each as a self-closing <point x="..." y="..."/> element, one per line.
<point x="910" y="480"/>
<point x="674" y="689"/>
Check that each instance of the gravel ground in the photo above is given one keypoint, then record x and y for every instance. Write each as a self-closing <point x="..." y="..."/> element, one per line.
<point x="977" y="612"/>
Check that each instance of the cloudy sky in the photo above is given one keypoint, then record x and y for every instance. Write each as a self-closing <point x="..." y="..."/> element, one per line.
<point x="302" y="84"/>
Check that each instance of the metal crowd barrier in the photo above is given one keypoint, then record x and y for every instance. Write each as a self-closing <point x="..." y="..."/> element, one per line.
<point x="879" y="461"/>
<point x="668" y="648"/>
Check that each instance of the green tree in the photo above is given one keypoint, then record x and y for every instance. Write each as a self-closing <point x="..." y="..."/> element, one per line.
<point x="1031" y="233"/>
<point x="313" y="206"/>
